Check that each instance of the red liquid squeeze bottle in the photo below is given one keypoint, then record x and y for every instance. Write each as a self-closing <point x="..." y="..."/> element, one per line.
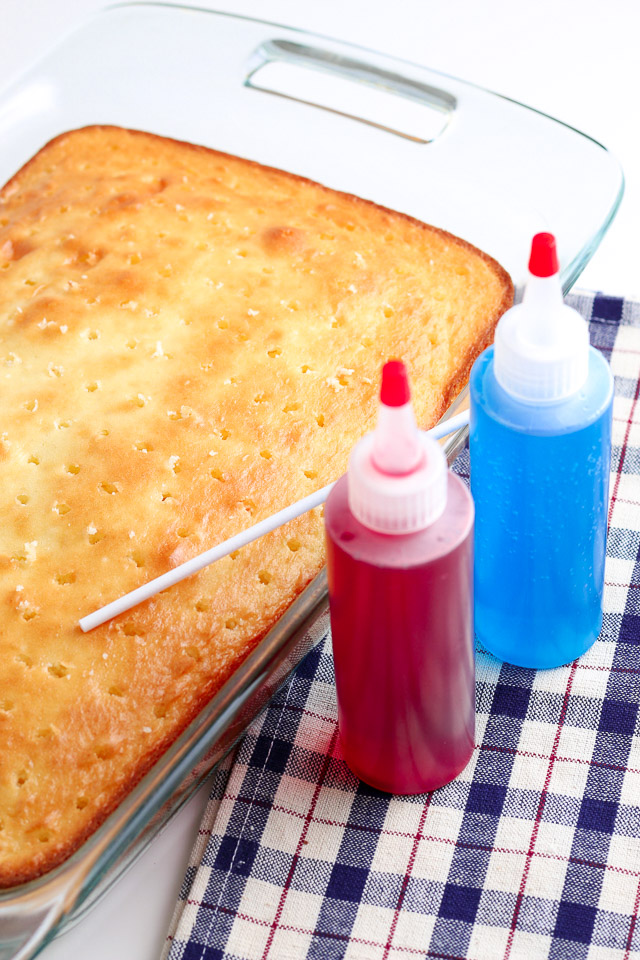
<point x="399" y="530"/>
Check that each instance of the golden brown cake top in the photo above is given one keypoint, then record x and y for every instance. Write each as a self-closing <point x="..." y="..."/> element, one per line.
<point x="188" y="342"/>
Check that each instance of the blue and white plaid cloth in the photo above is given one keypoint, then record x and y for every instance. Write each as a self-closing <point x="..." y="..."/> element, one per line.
<point x="534" y="851"/>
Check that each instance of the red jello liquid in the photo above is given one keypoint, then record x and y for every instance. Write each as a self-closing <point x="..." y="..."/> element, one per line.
<point x="402" y="626"/>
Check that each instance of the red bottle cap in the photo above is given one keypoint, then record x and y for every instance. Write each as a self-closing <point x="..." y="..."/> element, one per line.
<point x="394" y="391"/>
<point x="543" y="261"/>
<point x="397" y="476"/>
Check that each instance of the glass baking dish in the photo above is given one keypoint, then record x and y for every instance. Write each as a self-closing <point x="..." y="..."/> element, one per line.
<point x="442" y="150"/>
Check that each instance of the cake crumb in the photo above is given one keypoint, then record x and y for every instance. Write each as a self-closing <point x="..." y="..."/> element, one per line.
<point x="30" y="550"/>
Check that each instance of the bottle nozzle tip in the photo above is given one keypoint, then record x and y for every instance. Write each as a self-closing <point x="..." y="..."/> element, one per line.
<point x="543" y="261"/>
<point x="394" y="391"/>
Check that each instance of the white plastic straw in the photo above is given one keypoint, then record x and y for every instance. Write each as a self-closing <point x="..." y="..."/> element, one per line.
<point x="259" y="529"/>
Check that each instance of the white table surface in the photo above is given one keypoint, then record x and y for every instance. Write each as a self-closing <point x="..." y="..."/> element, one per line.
<point x="573" y="59"/>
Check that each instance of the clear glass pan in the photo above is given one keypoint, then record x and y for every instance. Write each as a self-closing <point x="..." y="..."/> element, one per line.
<point x="444" y="151"/>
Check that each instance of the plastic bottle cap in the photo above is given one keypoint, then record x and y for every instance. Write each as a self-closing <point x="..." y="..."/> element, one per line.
<point x="542" y="345"/>
<point x="397" y="478"/>
<point x="543" y="261"/>
<point x="394" y="391"/>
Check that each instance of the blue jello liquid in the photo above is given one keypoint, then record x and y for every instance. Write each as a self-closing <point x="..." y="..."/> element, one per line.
<point x="540" y="481"/>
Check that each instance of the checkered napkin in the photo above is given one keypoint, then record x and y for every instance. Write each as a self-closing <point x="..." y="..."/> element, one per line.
<point x="532" y="852"/>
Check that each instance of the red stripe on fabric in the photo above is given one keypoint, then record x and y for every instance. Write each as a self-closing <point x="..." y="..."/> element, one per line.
<point x="328" y="934"/>
<point x="623" y="451"/>
<point x="301" y="841"/>
<point x="614" y="668"/>
<point x="618" y="668"/>
<point x="633" y="503"/>
<point x="632" y="925"/>
<point x="407" y="875"/>
<point x="430" y="838"/>
<point x="538" y="818"/>
<point x="603" y="764"/>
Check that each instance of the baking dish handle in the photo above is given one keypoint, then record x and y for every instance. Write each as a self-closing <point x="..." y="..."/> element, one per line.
<point x="353" y="88"/>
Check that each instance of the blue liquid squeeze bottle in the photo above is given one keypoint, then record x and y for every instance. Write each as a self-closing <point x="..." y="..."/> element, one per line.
<point x="540" y="446"/>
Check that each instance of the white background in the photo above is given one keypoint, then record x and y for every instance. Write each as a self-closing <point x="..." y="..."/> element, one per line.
<point x="576" y="60"/>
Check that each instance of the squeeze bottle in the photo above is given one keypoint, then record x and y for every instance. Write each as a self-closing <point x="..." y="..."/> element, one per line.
<point x="540" y="446"/>
<point x="399" y="531"/>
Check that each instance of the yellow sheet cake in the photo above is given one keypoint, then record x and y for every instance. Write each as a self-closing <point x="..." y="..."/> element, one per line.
<point x="188" y="342"/>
